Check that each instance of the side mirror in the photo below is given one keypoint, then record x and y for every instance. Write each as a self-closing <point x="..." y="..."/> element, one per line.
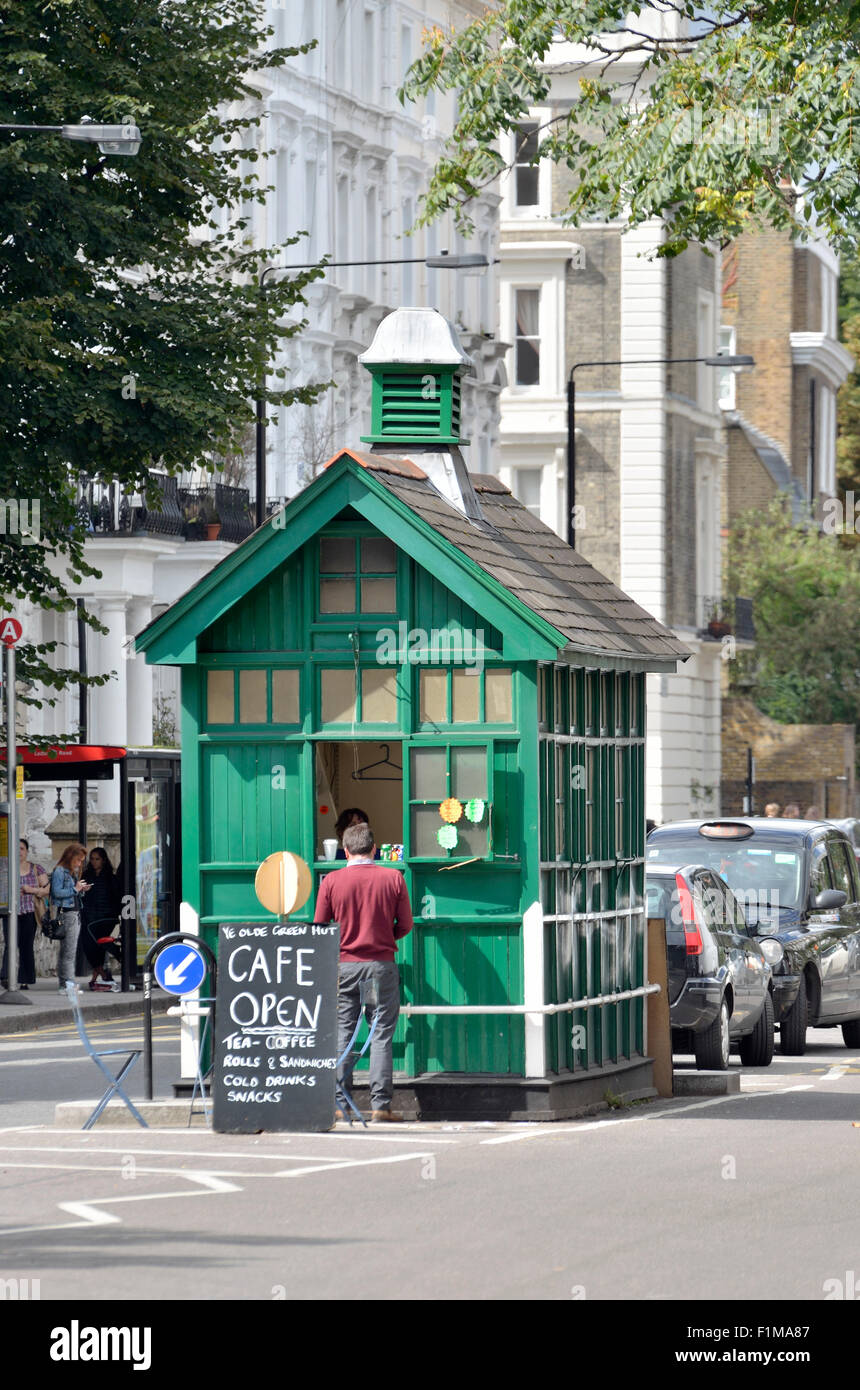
<point x="829" y="900"/>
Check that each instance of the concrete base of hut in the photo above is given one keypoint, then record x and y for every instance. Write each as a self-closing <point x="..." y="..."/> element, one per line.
<point x="563" y="1096"/>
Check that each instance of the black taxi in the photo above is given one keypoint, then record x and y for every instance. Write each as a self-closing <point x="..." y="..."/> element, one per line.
<point x="797" y="881"/>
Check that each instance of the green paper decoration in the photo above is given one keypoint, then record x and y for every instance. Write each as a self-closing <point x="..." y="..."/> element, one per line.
<point x="447" y="836"/>
<point x="475" y="808"/>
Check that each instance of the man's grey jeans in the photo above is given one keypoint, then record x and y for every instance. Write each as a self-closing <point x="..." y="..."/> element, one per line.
<point x="68" y="945"/>
<point x="380" y="980"/>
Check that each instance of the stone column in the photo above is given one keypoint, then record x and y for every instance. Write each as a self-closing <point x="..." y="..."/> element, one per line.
<point x="140" y="706"/>
<point x="108" y="705"/>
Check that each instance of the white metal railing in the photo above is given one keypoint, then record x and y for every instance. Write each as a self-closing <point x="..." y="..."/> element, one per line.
<point x="568" y="1007"/>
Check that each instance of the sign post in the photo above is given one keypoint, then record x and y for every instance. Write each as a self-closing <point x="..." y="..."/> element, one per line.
<point x="10" y="633"/>
<point x="276" y="1029"/>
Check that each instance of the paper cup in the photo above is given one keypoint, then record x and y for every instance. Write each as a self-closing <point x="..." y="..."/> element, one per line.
<point x="329" y="848"/>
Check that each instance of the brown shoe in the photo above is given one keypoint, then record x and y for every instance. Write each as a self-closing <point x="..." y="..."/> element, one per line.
<point x="386" y="1117"/>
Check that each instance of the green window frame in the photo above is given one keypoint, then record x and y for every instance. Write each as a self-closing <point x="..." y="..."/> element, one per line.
<point x="349" y="560"/>
<point x="252" y="701"/>
<point x="361" y="694"/>
<point x="441" y="775"/>
<point x="452" y="677"/>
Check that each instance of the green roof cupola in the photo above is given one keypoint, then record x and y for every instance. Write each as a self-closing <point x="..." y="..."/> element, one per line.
<point x="416" y="362"/>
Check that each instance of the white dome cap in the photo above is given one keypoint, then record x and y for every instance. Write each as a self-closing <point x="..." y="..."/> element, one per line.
<point x="416" y="335"/>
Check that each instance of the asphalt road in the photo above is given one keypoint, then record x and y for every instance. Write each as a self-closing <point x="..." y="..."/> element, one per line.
<point x="748" y="1197"/>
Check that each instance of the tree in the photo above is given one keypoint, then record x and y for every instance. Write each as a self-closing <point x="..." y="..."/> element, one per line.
<point x="805" y="589"/>
<point x="131" y="328"/>
<point x="751" y="117"/>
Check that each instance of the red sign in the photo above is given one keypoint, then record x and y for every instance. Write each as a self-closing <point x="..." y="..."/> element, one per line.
<point x="71" y="753"/>
<point x="10" y="631"/>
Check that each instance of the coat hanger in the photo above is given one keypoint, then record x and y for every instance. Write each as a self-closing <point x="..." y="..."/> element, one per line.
<point x="359" y="775"/>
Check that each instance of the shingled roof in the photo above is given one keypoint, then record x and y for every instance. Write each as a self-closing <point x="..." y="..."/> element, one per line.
<point x="533" y="563"/>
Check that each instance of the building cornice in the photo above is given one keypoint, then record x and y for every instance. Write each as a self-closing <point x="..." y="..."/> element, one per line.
<point x="823" y="354"/>
<point x="555" y="251"/>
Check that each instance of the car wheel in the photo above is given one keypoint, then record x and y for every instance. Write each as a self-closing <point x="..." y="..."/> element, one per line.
<point x="757" y="1047"/>
<point x="792" y="1030"/>
<point x="851" y="1033"/>
<point x="712" y="1046"/>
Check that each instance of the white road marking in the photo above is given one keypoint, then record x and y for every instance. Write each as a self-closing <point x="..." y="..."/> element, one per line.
<point x="90" y="1212"/>
<point x="549" y="1130"/>
<point x="834" y="1074"/>
<point x="350" y="1163"/>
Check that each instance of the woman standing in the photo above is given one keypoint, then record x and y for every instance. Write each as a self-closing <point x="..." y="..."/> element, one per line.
<point x="99" y="910"/>
<point x="67" y="893"/>
<point x="33" y="884"/>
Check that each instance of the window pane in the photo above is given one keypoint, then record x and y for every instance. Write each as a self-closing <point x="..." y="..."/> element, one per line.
<point x="338" y="696"/>
<point x="429" y="782"/>
<point x="465" y="697"/>
<point x="337" y="595"/>
<point x="433" y="686"/>
<point x="468" y="773"/>
<point x="378" y="696"/>
<point x="285" y="697"/>
<point x="527" y="185"/>
<point x="498" y="697"/>
<point x="426" y="821"/>
<point x="472" y="839"/>
<point x="527" y="349"/>
<point x="378" y="556"/>
<point x="527" y="363"/>
<point x="337" y="556"/>
<point x="378" y="595"/>
<point x="252" y="697"/>
<point x="526" y="488"/>
<point x="219" y="698"/>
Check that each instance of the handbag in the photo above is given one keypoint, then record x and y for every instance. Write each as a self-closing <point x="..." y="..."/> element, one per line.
<point x="53" y="927"/>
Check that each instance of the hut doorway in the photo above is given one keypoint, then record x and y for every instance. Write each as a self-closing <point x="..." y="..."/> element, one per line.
<point x="363" y="775"/>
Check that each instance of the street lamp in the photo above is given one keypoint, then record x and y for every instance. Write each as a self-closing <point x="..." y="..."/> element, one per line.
<point x="111" y="139"/>
<point x="442" y="261"/>
<point x="737" y="361"/>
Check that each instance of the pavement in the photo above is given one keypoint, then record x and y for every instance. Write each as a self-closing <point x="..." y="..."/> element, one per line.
<point x="48" y="1008"/>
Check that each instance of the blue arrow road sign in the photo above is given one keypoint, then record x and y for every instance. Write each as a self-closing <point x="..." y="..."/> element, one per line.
<point x="179" y="968"/>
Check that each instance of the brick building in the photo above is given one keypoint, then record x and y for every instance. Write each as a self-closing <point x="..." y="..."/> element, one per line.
<point x="779" y="303"/>
<point x="810" y="764"/>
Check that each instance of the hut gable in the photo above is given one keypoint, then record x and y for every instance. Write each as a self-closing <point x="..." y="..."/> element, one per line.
<point x="507" y="565"/>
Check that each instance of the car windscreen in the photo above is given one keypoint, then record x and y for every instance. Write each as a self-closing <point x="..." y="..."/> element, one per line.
<point x="761" y="876"/>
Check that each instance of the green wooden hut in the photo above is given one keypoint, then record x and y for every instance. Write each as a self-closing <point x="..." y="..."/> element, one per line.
<point x="405" y="637"/>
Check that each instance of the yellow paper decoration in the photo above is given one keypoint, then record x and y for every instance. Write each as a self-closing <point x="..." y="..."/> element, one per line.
<point x="451" y="809"/>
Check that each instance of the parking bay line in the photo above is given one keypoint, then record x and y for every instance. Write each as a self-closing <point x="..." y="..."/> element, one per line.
<point x="549" y="1131"/>
<point x="91" y="1215"/>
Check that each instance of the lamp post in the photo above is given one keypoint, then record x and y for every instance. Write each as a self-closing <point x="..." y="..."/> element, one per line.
<point x="736" y="361"/>
<point x="442" y="261"/>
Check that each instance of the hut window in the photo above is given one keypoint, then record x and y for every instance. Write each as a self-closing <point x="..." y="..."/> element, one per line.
<point x="469" y="773"/>
<point x="435" y="774"/>
<point x="498" y="697"/>
<point x="337" y="688"/>
<point x="357" y="575"/>
<point x="285" y="697"/>
<point x="220" y="697"/>
<point x="378" y="695"/>
<point x="429" y="775"/>
<point x="465" y="697"/>
<point x="433" y="697"/>
<point x="252" y="697"/>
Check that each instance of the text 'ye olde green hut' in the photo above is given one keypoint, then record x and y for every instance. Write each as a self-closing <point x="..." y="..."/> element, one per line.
<point x="405" y="637"/>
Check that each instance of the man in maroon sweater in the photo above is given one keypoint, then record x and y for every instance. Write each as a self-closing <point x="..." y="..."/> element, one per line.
<point x="370" y="902"/>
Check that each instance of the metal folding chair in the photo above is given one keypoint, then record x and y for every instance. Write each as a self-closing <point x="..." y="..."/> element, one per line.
<point x="115" y="1087"/>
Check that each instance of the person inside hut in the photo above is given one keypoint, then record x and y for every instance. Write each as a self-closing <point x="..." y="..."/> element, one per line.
<point x="99" y="913"/>
<point x="353" y="815"/>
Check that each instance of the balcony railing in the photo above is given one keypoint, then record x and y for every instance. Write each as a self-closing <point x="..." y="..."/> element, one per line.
<point x="108" y="509"/>
<point x="726" y="617"/>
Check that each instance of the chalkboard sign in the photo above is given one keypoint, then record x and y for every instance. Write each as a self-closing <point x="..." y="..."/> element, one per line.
<point x="276" y="1027"/>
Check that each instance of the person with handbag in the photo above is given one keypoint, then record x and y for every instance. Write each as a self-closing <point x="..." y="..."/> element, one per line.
<point x="67" y="890"/>
<point x="34" y="889"/>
